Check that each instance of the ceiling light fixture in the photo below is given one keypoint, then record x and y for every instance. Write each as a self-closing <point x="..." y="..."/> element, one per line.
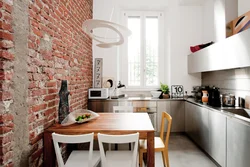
<point x="122" y="32"/>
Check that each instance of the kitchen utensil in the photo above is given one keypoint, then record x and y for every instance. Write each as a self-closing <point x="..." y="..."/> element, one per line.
<point x="204" y="97"/>
<point x="247" y="102"/>
<point x="241" y="102"/>
<point x="228" y="100"/>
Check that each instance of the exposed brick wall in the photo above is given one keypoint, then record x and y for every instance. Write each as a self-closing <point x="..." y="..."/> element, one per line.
<point x="6" y="91"/>
<point x="58" y="50"/>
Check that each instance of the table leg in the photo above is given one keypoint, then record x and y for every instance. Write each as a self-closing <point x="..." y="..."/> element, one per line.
<point x="150" y="149"/>
<point x="49" y="156"/>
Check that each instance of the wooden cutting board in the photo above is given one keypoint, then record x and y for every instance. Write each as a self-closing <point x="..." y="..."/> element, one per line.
<point x="247" y="102"/>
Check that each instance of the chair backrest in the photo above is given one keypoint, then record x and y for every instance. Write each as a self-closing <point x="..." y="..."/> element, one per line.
<point x="122" y="109"/>
<point x="85" y="138"/>
<point x="129" y="138"/>
<point x="165" y="116"/>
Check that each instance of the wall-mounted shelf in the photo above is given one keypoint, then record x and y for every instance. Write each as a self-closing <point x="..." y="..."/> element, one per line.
<point x="232" y="52"/>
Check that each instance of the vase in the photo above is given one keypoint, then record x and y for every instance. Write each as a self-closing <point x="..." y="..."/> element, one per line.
<point x="165" y="96"/>
<point x="204" y="98"/>
<point x="63" y="109"/>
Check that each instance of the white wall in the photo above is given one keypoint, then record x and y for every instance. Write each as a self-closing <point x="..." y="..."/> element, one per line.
<point x="208" y="23"/>
<point x="243" y="6"/>
<point x="231" y="10"/>
<point x="184" y="28"/>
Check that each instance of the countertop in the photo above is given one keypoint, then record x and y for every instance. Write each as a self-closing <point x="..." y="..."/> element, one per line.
<point x="139" y="99"/>
<point x="191" y="100"/>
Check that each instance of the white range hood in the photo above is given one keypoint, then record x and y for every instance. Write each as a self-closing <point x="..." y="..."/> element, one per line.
<point x="232" y="52"/>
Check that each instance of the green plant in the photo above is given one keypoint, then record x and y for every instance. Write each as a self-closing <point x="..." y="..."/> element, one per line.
<point x="164" y="88"/>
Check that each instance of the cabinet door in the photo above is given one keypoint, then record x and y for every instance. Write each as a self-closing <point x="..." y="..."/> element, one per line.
<point x="102" y="105"/>
<point x="238" y="142"/>
<point x="217" y="137"/>
<point x="189" y="119"/>
<point x="196" y="122"/>
<point x="178" y="116"/>
<point x="161" y="107"/>
<point x="201" y="128"/>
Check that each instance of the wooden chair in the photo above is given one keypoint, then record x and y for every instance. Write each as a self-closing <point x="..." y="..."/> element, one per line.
<point x="119" y="158"/>
<point x="160" y="145"/>
<point x="81" y="158"/>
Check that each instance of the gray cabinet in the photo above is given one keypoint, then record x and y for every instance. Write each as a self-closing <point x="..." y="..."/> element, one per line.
<point x="196" y="124"/>
<point x="200" y="127"/>
<point x="189" y="120"/>
<point x="238" y="141"/>
<point x="207" y="128"/>
<point x="102" y="105"/>
<point x="217" y="137"/>
<point x="176" y="110"/>
<point x="161" y="107"/>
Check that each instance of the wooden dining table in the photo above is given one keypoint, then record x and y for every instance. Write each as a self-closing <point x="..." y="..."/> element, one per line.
<point x="107" y="123"/>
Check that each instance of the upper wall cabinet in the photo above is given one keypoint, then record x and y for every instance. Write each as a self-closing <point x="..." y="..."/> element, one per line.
<point x="232" y="52"/>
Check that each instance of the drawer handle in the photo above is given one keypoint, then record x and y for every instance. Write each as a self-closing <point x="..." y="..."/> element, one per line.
<point x="142" y="109"/>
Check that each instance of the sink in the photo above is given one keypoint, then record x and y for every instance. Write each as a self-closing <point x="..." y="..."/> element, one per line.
<point x="239" y="111"/>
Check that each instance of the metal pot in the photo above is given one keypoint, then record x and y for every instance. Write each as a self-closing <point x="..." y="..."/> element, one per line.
<point x="228" y="100"/>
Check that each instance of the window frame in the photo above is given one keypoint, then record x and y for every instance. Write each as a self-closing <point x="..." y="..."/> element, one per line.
<point x="124" y="49"/>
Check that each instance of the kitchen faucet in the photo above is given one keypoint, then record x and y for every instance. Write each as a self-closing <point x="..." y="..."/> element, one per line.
<point x="120" y="85"/>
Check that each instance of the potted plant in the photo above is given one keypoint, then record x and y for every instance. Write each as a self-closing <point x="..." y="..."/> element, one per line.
<point x="165" y="90"/>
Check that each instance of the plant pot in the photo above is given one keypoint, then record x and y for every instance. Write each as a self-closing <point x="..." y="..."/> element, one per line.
<point x="165" y="96"/>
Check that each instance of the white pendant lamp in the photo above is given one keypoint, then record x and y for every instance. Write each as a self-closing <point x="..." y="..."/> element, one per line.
<point x="122" y="32"/>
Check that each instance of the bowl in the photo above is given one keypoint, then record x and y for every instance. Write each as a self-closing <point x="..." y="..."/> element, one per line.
<point x="155" y="94"/>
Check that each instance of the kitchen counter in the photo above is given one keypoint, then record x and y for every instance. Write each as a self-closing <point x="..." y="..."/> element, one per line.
<point x="138" y="98"/>
<point x="222" y="110"/>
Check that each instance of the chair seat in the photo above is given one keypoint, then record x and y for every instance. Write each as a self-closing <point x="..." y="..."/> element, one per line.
<point x="119" y="158"/>
<point x="78" y="157"/>
<point x="159" y="145"/>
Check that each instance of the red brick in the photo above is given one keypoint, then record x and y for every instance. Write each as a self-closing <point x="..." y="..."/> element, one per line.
<point x="6" y="26"/>
<point x="5" y="148"/>
<point x="6" y="44"/>
<point x="52" y="103"/>
<point x="52" y="91"/>
<point x="5" y="129"/>
<point x="39" y="107"/>
<point x="5" y="95"/>
<point x="6" y="55"/>
<point x="5" y="118"/>
<point x="32" y="85"/>
<point x="50" y="111"/>
<point x="6" y="35"/>
<point x="37" y="32"/>
<point x="39" y="92"/>
<point x="8" y="8"/>
<point x="49" y="97"/>
<point x="51" y="84"/>
<point x="7" y="18"/>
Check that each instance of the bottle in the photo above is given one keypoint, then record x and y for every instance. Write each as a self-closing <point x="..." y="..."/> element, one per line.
<point x="204" y="98"/>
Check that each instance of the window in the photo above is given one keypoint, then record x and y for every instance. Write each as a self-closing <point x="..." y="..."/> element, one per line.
<point x="142" y="58"/>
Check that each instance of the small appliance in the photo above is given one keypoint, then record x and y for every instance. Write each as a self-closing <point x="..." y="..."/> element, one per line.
<point x="214" y="97"/>
<point x="228" y="100"/>
<point x="98" y="93"/>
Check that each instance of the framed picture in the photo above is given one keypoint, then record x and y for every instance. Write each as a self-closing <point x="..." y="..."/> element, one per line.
<point x="98" y="73"/>
<point x="177" y="91"/>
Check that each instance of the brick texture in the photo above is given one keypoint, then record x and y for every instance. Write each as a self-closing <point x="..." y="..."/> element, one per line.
<point x="6" y="91"/>
<point x="58" y="50"/>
